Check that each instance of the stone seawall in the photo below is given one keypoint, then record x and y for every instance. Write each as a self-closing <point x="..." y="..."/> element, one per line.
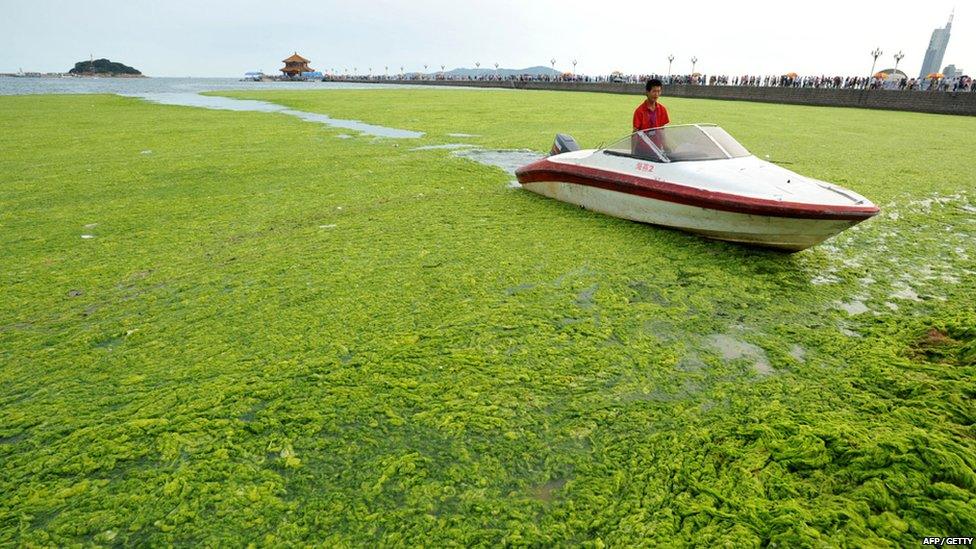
<point x="962" y="103"/>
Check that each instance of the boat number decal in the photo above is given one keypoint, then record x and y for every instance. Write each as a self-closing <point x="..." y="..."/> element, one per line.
<point x="645" y="167"/>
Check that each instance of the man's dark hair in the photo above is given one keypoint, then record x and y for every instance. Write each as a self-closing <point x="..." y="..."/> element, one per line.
<point x="653" y="82"/>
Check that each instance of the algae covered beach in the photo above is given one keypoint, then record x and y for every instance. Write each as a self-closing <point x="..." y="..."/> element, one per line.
<point x="223" y="328"/>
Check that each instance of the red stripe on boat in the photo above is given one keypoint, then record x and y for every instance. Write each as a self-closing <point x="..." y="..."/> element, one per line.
<point x="544" y="171"/>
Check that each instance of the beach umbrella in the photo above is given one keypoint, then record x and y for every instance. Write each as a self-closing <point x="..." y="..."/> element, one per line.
<point x="881" y="75"/>
<point x="935" y="75"/>
<point x="791" y="75"/>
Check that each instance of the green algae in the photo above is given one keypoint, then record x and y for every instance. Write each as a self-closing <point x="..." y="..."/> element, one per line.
<point x="281" y="337"/>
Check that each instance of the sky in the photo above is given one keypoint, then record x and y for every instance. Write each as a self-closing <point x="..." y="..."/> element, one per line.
<point x="225" y="38"/>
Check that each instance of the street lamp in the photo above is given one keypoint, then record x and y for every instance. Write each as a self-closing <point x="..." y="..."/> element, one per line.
<point x="875" y="53"/>
<point x="574" y="67"/>
<point x="553" y="63"/>
<point x="670" y="60"/>
<point x="898" y="57"/>
<point x="693" y="61"/>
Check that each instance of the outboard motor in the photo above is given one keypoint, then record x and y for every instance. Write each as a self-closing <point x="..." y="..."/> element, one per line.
<point x="563" y="143"/>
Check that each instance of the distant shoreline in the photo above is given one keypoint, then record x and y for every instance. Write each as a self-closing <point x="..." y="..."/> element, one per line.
<point x="954" y="103"/>
<point x="67" y="75"/>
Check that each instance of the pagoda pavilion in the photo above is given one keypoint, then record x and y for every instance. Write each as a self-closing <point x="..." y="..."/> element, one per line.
<point x="295" y="66"/>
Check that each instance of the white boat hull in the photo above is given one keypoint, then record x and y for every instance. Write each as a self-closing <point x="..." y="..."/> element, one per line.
<point x="739" y="199"/>
<point x="785" y="233"/>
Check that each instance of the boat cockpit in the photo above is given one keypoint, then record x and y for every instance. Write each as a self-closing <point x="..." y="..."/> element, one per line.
<point x="683" y="143"/>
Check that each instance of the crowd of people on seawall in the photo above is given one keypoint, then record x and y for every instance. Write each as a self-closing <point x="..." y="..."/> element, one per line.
<point x="937" y="83"/>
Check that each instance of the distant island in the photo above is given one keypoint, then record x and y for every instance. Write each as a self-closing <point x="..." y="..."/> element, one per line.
<point x="103" y="67"/>
<point x="504" y="73"/>
<point x="461" y="73"/>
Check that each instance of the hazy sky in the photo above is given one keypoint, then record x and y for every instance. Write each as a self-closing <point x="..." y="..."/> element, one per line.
<point x="228" y="38"/>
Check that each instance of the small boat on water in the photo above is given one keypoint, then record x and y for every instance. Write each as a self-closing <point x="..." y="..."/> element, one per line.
<point x="699" y="179"/>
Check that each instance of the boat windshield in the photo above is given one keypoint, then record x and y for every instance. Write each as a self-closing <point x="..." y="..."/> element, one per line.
<point x="679" y="144"/>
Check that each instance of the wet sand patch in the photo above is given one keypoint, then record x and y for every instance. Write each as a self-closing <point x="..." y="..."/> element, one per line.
<point x="547" y="492"/>
<point x="730" y="348"/>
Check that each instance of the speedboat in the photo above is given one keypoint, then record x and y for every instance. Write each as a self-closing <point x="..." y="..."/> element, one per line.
<point x="697" y="178"/>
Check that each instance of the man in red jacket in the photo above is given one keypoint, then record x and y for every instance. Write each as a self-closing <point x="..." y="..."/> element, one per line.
<point x="650" y="113"/>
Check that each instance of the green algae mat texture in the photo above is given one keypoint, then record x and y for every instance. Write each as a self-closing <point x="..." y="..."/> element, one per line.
<point x="233" y="328"/>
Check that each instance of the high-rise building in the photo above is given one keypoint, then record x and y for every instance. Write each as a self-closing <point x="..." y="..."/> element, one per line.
<point x="937" y="48"/>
